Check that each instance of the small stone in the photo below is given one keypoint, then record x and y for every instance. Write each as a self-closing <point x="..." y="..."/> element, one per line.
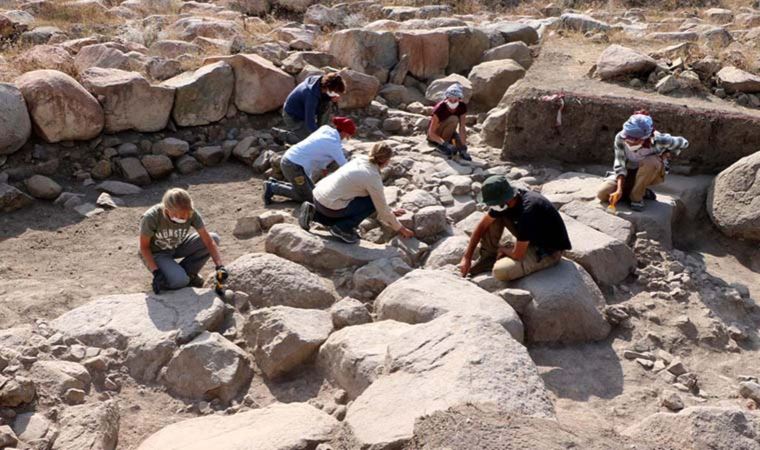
<point x="340" y="412"/>
<point x="658" y="366"/>
<point x="672" y="401"/>
<point x="689" y="380"/>
<point x="645" y="363"/>
<point x="750" y="389"/>
<point x="667" y="85"/>
<point x="628" y="354"/>
<point x="106" y="201"/>
<point x="681" y="387"/>
<point x="676" y="367"/>
<point x="737" y="333"/>
<point x="42" y="187"/>
<point x="74" y="397"/>
<point x="340" y="396"/>
<point x="88" y="210"/>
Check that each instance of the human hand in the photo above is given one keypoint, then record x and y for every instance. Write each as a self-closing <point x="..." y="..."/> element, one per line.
<point x="615" y="197"/>
<point x="399" y="212"/>
<point x="159" y="281"/>
<point x="464" y="266"/>
<point x="406" y="232"/>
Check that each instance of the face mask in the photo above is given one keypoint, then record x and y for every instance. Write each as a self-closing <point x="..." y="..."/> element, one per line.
<point x="500" y="208"/>
<point x="633" y="148"/>
<point x="332" y="94"/>
<point x="452" y="105"/>
<point x="177" y="220"/>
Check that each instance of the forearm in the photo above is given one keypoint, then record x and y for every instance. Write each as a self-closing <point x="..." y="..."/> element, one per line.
<point x="620" y="181"/>
<point x="473" y="244"/>
<point x="148" y="258"/>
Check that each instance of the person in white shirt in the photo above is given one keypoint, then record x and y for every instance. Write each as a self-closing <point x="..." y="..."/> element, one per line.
<point x="343" y="199"/>
<point x="302" y="160"/>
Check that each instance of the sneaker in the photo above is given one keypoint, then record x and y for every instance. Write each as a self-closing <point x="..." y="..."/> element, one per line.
<point x="465" y="155"/>
<point x="268" y="193"/>
<point x="637" y="206"/>
<point x="349" y="237"/>
<point x="650" y="195"/>
<point x="196" y="281"/>
<point x="306" y="215"/>
<point x="443" y="151"/>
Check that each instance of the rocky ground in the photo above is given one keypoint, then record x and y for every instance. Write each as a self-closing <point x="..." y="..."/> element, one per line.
<point x="644" y="337"/>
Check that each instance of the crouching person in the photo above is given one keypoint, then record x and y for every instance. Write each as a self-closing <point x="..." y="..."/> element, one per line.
<point x="302" y="160"/>
<point x="165" y="236"/>
<point x="448" y="116"/>
<point x="537" y="227"/>
<point x="346" y="197"/>
<point x="642" y="159"/>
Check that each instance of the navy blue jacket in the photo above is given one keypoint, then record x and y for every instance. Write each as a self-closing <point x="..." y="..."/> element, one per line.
<point x="303" y="102"/>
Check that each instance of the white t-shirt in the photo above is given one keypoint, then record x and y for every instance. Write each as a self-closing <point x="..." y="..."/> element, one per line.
<point x="317" y="151"/>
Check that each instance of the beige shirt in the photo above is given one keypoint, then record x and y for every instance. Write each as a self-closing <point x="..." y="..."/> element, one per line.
<point x="357" y="178"/>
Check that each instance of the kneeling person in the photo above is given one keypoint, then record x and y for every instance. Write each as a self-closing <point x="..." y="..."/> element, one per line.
<point x="165" y="236"/>
<point x="316" y="152"/>
<point x="448" y="116"/>
<point x="536" y="225"/>
<point x="351" y="194"/>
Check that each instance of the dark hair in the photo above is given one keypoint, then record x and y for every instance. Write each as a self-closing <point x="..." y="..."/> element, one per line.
<point x="333" y="82"/>
<point x="642" y="112"/>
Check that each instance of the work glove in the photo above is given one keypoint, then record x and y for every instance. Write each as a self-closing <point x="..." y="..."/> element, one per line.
<point x="159" y="281"/>
<point x="221" y="273"/>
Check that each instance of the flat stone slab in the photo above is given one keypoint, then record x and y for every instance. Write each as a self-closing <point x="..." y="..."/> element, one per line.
<point x="277" y="427"/>
<point x="571" y="186"/>
<point x="317" y="252"/>
<point x="593" y="214"/>
<point x="149" y="327"/>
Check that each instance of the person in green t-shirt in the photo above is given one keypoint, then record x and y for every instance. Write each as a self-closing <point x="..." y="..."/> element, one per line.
<point x="165" y="236"/>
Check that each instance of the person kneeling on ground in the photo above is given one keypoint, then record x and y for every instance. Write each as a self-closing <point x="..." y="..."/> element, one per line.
<point x="536" y="225"/>
<point x="310" y="104"/>
<point x="447" y="116"/>
<point x="302" y="160"/>
<point x="164" y="237"/>
<point x="642" y="159"/>
<point x="343" y="199"/>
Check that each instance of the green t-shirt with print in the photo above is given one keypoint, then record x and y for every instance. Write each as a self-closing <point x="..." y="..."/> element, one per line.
<point x="166" y="235"/>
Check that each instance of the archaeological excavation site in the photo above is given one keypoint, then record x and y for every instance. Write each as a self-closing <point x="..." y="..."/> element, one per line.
<point x="379" y="225"/>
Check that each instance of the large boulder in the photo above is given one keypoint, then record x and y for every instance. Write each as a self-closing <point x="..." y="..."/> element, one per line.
<point x="93" y="427"/>
<point x="582" y="22"/>
<point x="270" y="280"/>
<point x="571" y="186"/>
<point x="34" y="427"/>
<point x="447" y="251"/>
<point x="429" y="223"/>
<point x="148" y="327"/>
<point x="172" y="49"/>
<point x="618" y="61"/>
<point x="101" y="55"/>
<point x="354" y="357"/>
<point x="567" y="305"/>
<point x="436" y="89"/>
<point x="594" y="216"/>
<point x="129" y="101"/>
<point x="608" y="260"/>
<point x="516" y="51"/>
<point x="208" y="367"/>
<point x="371" y="52"/>
<point x="506" y="32"/>
<point x="54" y="378"/>
<point x="422" y="295"/>
<point x="427" y="50"/>
<point x="377" y="275"/>
<point x="15" y="126"/>
<point x="53" y="57"/>
<point x="260" y="87"/>
<point x="189" y="28"/>
<point x="278" y="426"/>
<point x="733" y="201"/>
<point x="466" y="48"/>
<point x="698" y="427"/>
<point x="302" y="247"/>
<point x="450" y="361"/>
<point x="737" y="80"/>
<point x="12" y="199"/>
<point x="202" y="97"/>
<point x="490" y="80"/>
<point x="61" y="109"/>
<point x="361" y="89"/>
<point x="282" y="338"/>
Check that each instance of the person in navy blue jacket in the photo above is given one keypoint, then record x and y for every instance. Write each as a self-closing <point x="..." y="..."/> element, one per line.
<point x="308" y="106"/>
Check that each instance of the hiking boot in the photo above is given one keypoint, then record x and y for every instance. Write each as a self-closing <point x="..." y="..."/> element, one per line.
<point x="195" y="281"/>
<point x="349" y="237"/>
<point x="268" y="194"/>
<point x="637" y="206"/>
<point x="306" y="215"/>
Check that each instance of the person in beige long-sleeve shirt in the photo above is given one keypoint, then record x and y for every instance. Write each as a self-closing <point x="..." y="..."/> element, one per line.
<point x="346" y="197"/>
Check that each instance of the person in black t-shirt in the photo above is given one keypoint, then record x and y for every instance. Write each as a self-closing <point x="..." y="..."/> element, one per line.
<point x="448" y="115"/>
<point x="539" y="232"/>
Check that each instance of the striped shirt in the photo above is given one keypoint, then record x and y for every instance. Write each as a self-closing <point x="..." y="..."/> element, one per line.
<point x="660" y="143"/>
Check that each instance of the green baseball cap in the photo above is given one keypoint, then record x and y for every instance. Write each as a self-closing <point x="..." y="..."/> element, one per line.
<point x="496" y="191"/>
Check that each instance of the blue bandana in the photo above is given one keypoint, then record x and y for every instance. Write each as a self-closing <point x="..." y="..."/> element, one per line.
<point x="638" y="126"/>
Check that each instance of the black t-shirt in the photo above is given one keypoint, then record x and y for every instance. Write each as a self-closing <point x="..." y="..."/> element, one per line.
<point x="536" y="221"/>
